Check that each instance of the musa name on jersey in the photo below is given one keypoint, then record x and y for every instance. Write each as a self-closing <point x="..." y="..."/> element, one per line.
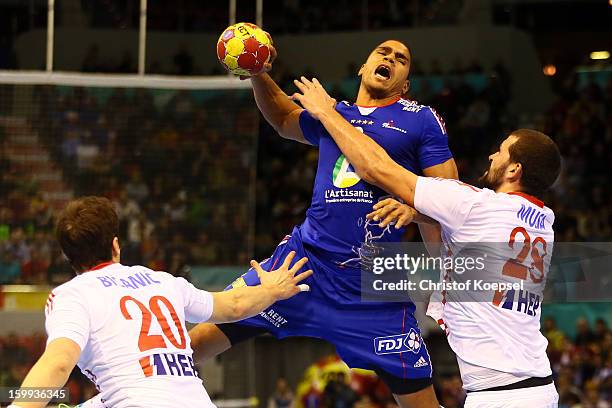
<point x="495" y="333"/>
<point x="335" y="227"/>
<point x="130" y="325"/>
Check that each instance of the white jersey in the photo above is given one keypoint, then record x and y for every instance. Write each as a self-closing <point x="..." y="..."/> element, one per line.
<point x="497" y="339"/>
<point x="130" y="325"/>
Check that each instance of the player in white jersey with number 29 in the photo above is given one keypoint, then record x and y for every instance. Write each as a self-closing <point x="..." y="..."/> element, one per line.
<point x="500" y="349"/>
<point x="125" y="326"/>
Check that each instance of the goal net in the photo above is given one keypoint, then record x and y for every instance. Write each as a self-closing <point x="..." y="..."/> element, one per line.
<point x="177" y="156"/>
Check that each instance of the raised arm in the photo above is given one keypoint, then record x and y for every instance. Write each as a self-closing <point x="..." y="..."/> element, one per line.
<point x="370" y="160"/>
<point x="276" y="107"/>
<point x="274" y="104"/>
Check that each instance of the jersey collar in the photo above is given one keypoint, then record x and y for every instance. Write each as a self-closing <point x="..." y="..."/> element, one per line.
<point x="380" y="106"/>
<point x="100" y="266"/>
<point x="529" y="198"/>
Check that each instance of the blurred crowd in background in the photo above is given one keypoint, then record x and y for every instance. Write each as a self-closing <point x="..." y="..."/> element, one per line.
<point x="179" y="166"/>
<point x="285" y="16"/>
<point x="183" y="63"/>
<point x="180" y="189"/>
<point x="582" y="368"/>
<point x="199" y="179"/>
<point x="194" y="16"/>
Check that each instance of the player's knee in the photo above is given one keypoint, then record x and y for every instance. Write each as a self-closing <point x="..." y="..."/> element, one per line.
<point x="207" y="341"/>
<point x="410" y="393"/>
<point x="424" y="398"/>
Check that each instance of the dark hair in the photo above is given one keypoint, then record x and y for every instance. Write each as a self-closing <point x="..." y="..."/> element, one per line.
<point x="85" y="231"/>
<point x="540" y="160"/>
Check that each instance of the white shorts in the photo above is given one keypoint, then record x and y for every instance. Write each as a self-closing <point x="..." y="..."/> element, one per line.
<point x="544" y="396"/>
<point x="95" y="402"/>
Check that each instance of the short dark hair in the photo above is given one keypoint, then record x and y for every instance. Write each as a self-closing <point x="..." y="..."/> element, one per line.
<point x="85" y="231"/>
<point x="540" y="160"/>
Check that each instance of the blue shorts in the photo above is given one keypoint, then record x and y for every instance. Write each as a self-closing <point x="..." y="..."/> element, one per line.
<point x="375" y="336"/>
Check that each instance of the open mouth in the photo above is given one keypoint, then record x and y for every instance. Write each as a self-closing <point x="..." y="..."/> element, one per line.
<point x="383" y="72"/>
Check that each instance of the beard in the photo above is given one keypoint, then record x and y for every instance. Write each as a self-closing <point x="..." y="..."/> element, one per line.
<point x="492" y="178"/>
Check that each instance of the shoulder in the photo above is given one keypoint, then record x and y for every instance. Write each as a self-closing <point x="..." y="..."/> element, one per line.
<point x="344" y="107"/>
<point x="74" y="285"/>
<point x="456" y="184"/>
<point x="527" y="205"/>
<point x="411" y="106"/>
<point x="75" y="291"/>
<point x="84" y="288"/>
<point x="160" y="276"/>
<point x="426" y="114"/>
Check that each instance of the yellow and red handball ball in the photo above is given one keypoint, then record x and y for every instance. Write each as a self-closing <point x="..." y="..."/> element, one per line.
<point x="243" y="49"/>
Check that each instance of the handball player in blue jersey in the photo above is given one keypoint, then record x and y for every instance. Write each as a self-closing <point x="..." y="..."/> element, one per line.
<point x="335" y="230"/>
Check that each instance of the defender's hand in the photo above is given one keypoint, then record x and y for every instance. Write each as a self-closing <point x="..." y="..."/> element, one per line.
<point x="392" y="211"/>
<point x="283" y="280"/>
<point x="313" y="97"/>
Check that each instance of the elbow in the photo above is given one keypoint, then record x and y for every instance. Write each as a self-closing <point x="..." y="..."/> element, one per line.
<point x="239" y="312"/>
<point x="60" y="366"/>
<point x="238" y="309"/>
<point x="386" y="176"/>
<point x="368" y="177"/>
<point x="64" y="370"/>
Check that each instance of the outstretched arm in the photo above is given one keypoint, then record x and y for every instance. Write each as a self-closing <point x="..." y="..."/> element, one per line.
<point x="240" y="303"/>
<point x="370" y="160"/>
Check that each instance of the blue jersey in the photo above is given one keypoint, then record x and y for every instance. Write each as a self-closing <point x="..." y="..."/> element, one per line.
<point x="376" y="336"/>
<point x="335" y="227"/>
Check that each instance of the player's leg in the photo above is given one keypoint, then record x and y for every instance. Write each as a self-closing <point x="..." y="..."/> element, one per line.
<point x="208" y="340"/>
<point x="424" y="398"/>
<point x="386" y="339"/>
<point x="410" y="393"/>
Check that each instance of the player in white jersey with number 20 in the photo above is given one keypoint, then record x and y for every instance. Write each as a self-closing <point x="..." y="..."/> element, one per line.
<point x="500" y="349"/>
<point x="125" y="326"/>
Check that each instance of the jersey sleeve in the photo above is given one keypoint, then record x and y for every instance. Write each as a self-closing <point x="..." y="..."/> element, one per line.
<point x="198" y="303"/>
<point x="433" y="148"/>
<point x="447" y="201"/>
<point x="311" y="128"/>
<point x="67" y="315"/>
